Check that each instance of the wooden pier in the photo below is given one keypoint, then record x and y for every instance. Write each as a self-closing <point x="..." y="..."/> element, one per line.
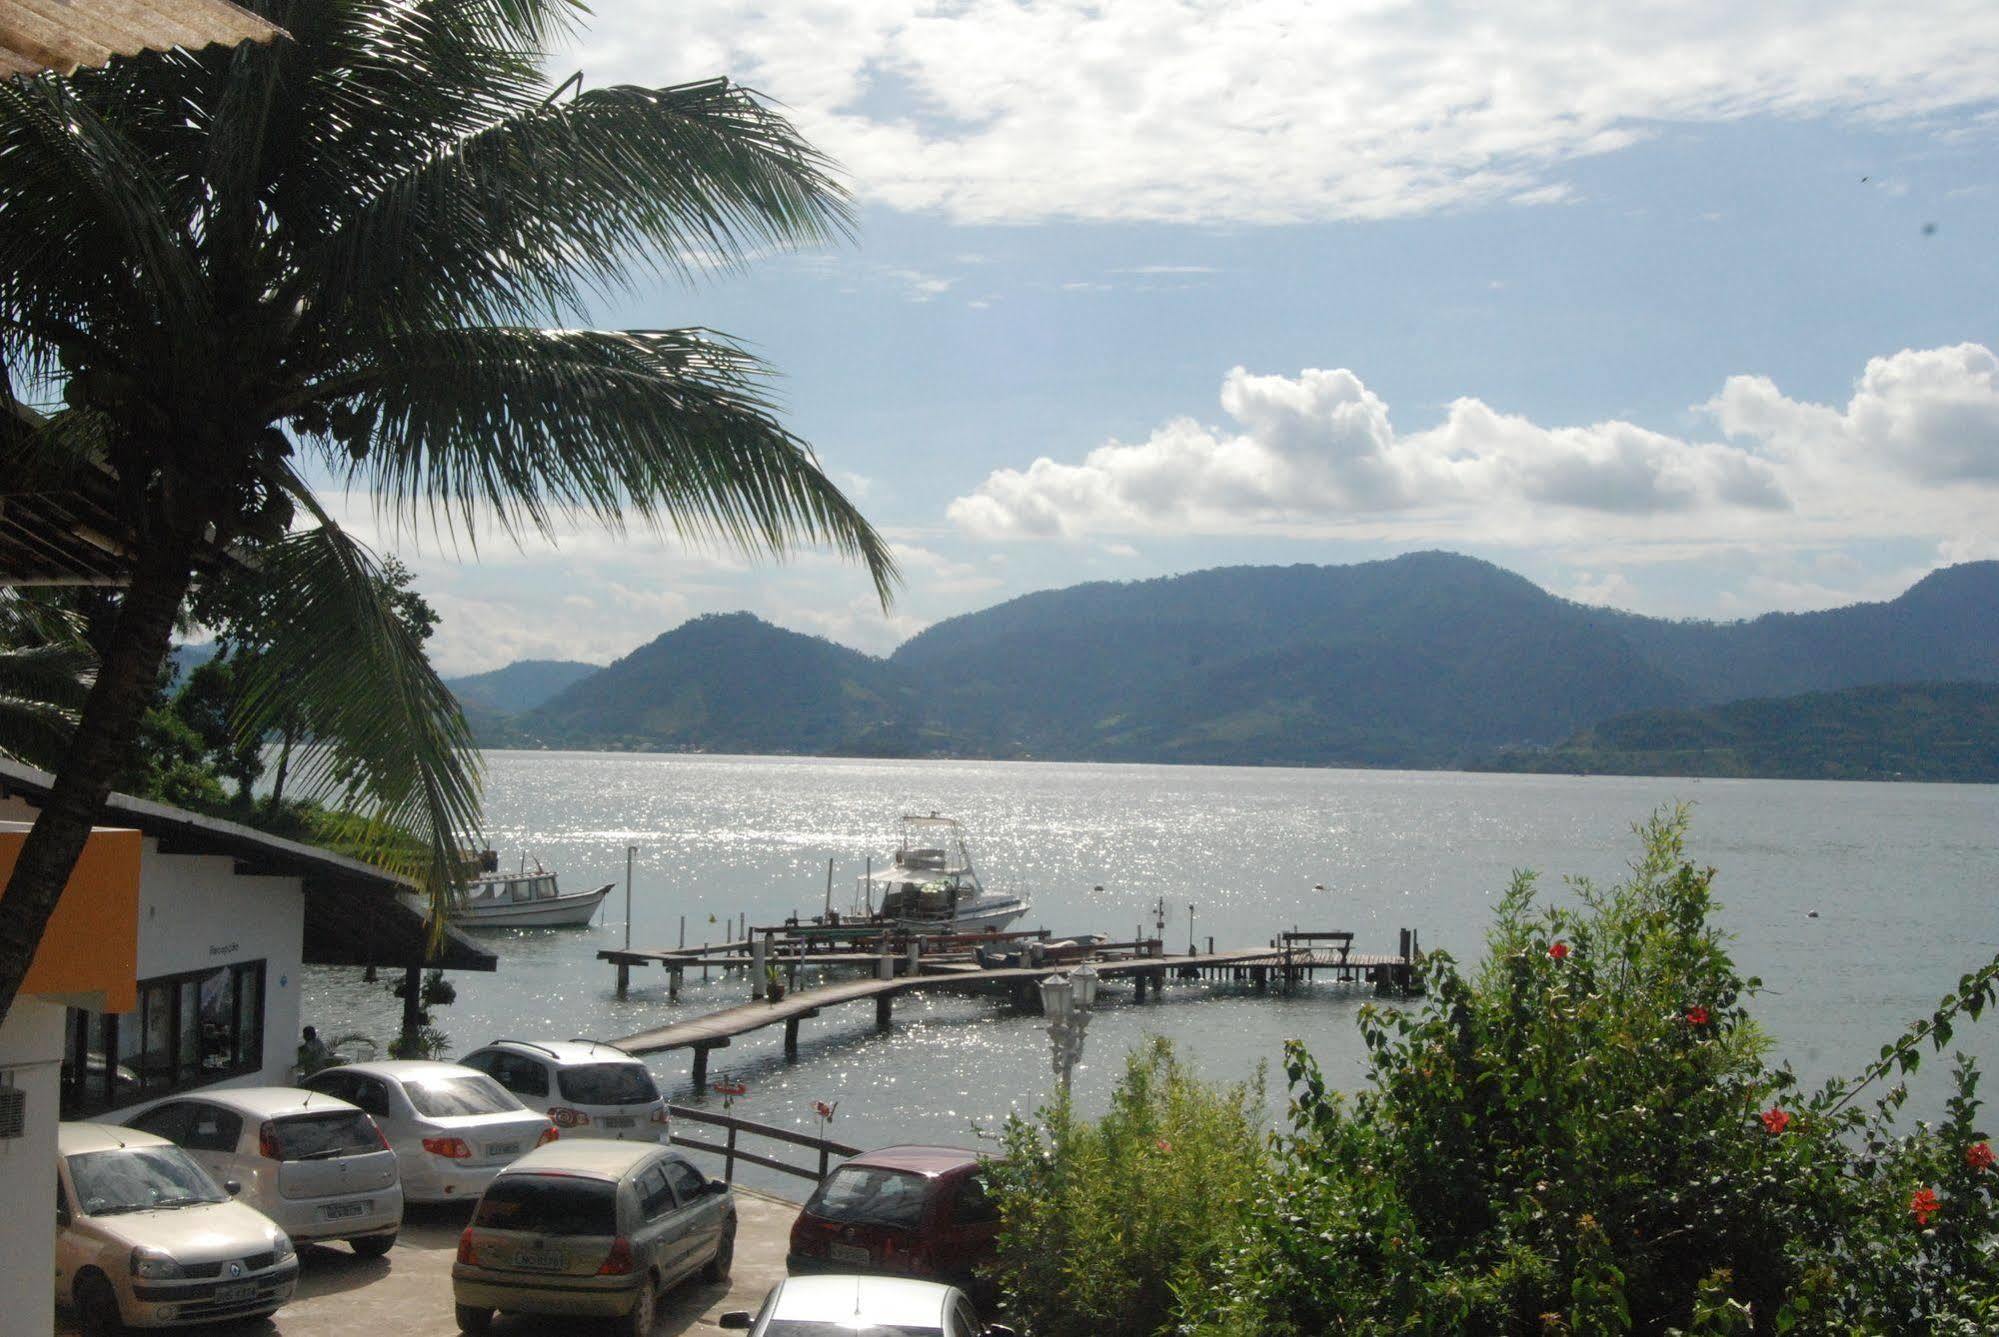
<point x="1289" y="959"/>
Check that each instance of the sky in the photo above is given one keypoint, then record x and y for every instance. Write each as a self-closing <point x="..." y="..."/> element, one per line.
<point x="1684" y="308"/>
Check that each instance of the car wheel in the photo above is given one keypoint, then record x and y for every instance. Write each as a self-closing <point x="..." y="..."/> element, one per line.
<point x="373" y="1246"/>
<point x="638" y="1323"/>
<point x="725" y="1255"/>
<point x="473" y="1319"/>
<point x="97" y="1306"/>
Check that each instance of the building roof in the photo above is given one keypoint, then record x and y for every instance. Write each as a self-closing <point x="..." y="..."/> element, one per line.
<point x="59" y="35"/>
<point x="68" y="531"/>
<point x="355" y="913"/>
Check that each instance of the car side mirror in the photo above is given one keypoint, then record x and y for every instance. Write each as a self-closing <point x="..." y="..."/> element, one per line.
<point x="232" y="1186"/>
<point x="735" y="1318"/>
<point x="717" y="1186"/>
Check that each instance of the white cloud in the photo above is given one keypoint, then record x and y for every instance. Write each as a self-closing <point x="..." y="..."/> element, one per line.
<point x="1914" y="452"/>
<point x="1281" y="110"/>
<point x="1610" y="589"/>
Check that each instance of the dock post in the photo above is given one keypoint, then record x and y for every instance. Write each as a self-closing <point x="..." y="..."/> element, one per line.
<point x="884" y="967"/>
<point x="683" y="932"/>
<point x="758" y="951"/>
<point x="700" y="1069"/>
<point x="624" y="978"/>
<point x="883" y="1003"/>
<point x="673" y="984"/>
<point x="791" y="1038"/>
<point x="915" y="957"/>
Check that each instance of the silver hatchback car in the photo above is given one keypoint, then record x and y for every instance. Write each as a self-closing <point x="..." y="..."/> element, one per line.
<point x="592" y="1229"/>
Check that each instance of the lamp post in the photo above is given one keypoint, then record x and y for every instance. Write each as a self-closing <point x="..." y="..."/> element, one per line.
<point x="1068" y="1001"/>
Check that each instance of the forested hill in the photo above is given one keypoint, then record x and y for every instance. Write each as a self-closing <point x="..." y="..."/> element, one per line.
<point x="519" y="686"/>
<point x="1931" y="731"/>
<point x="1425" y="660"/>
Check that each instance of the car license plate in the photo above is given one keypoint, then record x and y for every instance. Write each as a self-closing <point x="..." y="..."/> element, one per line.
<point x="847" y="1253"/>
<point x="234" y="1291"/>
<point x="620" y="1121"/>
<point x="541" y="1260"/>
<point x="503" y="1148"/>
<point x="341" y="1210"/>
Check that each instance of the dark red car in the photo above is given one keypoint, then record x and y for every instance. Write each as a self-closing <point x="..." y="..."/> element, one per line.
<point x="905" y="1211"/>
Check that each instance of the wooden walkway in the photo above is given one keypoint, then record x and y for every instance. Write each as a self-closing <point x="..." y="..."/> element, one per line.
<point x="1256" y="966"/>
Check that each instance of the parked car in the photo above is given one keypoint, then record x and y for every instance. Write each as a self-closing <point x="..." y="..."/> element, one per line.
<point x="589" y="1089"/>
<point x="913" y="1211"/>
<point x="823" y="1305"/>
<point x="592" y="1228"/>
<point x="314" y="1164"/>
<point x="452" y="1128"/>
<point x="144" y="1236"/>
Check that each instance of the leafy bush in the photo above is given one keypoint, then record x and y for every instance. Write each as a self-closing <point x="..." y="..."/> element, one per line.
<point x="1103" y="1224"/>
<point x="1585" y="1137"/>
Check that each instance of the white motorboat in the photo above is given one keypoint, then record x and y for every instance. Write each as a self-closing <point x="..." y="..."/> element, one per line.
<point x="525" y="900"/>
<point x="930" y="885"/>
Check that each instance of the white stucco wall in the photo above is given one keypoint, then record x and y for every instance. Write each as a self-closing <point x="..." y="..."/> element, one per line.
<point x="196" y="913"/>
<point x="30" y="1050"/>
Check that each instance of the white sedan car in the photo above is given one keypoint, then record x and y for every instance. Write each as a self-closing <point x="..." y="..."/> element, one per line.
<point x="452" y="1129"/>
<point x="145" y="1237"/>
<point x="316" y="1165"/>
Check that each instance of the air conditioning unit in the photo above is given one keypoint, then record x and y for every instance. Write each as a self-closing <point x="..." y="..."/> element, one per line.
<point x="13" y="1111"/>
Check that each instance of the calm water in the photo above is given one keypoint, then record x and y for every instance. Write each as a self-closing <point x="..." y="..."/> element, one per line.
<point x="1903" y="878"/>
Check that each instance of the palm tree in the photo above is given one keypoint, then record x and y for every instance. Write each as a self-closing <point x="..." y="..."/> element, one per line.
<point x="242" y="274"/>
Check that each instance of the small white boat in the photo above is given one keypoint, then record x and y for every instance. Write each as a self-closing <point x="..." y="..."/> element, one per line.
<point x="525" y="900"/>
<point x="930" y="885"/>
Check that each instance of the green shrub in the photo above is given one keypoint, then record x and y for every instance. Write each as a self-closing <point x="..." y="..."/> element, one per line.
<point x="1585" y="1137"/>
<point x="1104" y="1223"/>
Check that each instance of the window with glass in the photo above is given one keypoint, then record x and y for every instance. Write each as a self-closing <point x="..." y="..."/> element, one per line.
<point x="187" y="1031"/>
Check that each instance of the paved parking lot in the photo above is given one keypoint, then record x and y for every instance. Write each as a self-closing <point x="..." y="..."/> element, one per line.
<point x="408" y="1293"/>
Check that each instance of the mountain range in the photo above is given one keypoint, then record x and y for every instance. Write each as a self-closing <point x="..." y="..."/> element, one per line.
<point x="1430" y="659"/>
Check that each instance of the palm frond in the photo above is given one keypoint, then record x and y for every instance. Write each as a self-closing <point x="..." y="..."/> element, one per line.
<point x="388" y="741"/>
<point x="525" y="217"/>
<point x="527" y="425"/>
<point x="88" y="237"/>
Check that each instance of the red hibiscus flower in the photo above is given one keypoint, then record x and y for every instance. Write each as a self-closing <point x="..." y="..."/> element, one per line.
<point x="1775" y="1120"/>
<point x="1923" y="1205"/>
<point x="1979" y="1156"/>
<point x="1165" y="1146"/>
<point x="1560" y="951"/>
<point x="822" y="1109"/>
<point x="1696" y="1015"/>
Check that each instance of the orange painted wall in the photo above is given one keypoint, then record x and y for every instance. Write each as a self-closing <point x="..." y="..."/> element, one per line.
<point x="92" y="942"/>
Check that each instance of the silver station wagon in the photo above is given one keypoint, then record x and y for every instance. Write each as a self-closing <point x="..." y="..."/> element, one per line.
<point x="592" y="1229"/>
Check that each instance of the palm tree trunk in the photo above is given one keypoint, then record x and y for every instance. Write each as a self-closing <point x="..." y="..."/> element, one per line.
<point x="284" y="764"/>
<point x="125" y="679"/>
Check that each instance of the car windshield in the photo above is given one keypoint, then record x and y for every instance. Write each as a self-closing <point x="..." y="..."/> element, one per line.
<point x="864" y="1195"/>
<point x="138" y="1179"/>
<point x="449" y="1096"/>
<point x="608" y="1084"/>
<point x="315" y="1137"/>
<point x="549" y="1205"/>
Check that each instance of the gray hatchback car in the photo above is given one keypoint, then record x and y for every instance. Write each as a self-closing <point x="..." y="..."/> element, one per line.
<point x="593" y="1229"/>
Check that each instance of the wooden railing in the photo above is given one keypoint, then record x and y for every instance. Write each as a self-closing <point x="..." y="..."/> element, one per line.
<point x="731" y="1153"/>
